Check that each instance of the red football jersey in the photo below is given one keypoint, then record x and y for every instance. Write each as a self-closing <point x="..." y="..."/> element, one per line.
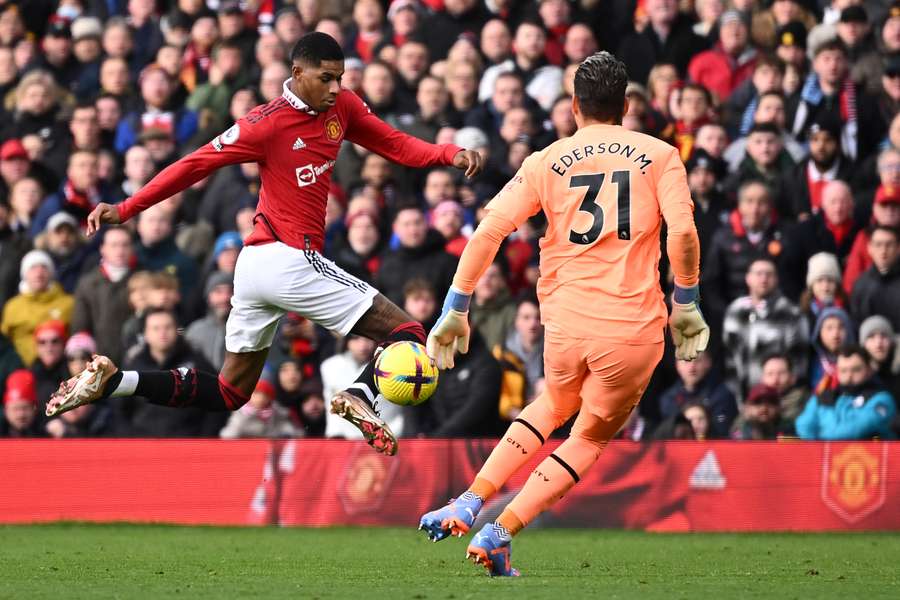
<point x="296" y="149"/>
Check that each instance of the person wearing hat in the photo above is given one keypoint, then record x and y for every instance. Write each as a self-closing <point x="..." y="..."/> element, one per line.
<point x="56" y="53"/>
<point x="877" y="291"/>
<point x="774" y="14"/>
<point x="15" y="164"/>
<point x="854" y="31"/>
<point x="823" y="287"/>
<point x="760" y="417"/>
<point x="889" y="88"/>
<point x="207" y="335"/>
<point x="87" y="50"/>
<point x="101" y="297"/>
<point x="825" y="163"/>
<point x="790" y="47"/>
<point x="49" y="368"/>
<point x="729" y="62"/>
<point x="705" y="173"/>
<point x="877" y="336"/>
<point x="40" y="299"/>
<point x="20" y="410"/>
<point x="885" y="211"/>
<point x="64" y="243"/>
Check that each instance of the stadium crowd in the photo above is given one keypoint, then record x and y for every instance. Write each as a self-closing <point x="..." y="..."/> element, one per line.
<point x="784" y="111"/>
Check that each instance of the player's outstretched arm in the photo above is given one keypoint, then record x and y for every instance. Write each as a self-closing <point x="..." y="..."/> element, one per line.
<point x="690" y="333"/>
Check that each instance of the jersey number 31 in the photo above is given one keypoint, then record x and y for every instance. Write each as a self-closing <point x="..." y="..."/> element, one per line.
<point x="593" y="183"/>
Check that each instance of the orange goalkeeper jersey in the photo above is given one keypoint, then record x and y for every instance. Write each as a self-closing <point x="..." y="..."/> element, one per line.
<point x="605" y="192"/>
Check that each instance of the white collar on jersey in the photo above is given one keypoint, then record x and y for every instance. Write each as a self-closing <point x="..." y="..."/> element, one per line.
<point x="293" y="100"/>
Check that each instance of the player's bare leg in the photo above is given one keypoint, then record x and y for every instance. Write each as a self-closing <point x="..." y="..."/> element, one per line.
<point x="177" y="388"/>
<point x="385" y="323"/>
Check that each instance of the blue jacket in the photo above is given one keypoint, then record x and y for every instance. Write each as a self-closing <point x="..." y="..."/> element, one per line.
<point x="129" y="128"/>
<point x="841" y="415"/>
<point x="711" y="393"/>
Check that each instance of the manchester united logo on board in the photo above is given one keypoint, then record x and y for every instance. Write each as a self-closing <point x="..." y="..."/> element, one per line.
<point x="854" y="479"/>
<point x="366" y="481"/>
<point x="333" y="130"/>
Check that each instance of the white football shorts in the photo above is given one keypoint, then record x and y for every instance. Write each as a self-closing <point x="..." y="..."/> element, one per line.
<point x="272" y="279"/>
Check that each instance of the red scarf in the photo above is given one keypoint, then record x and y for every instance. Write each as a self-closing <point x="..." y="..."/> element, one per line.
<point x="84" y="201"/>
<point x="839" y="232"/>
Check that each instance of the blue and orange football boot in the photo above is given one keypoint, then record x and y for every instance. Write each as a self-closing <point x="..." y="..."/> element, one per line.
<point x="454" y="519"/>
<point x="492" y="548"/>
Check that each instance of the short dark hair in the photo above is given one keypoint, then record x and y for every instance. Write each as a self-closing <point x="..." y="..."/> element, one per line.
<point x="878" y="227"/>
<point x="778" y="356"/>
<point x="600" y="83"/>
<point x="418" y="285"/>
<point x="226" y="45"/>
<point x="157" y="310"/>
<point x="693" y="87"/>
<point x="767" y="127"/>
<point x="314" y="47"/>
<point x="765" y="259"/>
<point x="770" y="60"/>
<point x="775" y="93"/>
<point x="850" y="350"/>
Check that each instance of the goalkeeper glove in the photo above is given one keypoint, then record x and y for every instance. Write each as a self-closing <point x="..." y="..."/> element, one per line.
<point x="689" y="330"/>
<point x="451" y="332"/>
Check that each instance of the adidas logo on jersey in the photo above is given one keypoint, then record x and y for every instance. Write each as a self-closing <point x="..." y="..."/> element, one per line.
<point x="298" y="145"/>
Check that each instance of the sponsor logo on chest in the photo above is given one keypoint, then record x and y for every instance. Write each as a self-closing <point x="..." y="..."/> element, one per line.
<point x="308" y="174"/>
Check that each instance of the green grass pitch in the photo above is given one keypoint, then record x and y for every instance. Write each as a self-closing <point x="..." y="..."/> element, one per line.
<point x="144" y="561"/>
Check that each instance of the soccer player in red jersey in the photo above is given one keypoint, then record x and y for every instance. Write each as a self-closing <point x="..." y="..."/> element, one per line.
<point x="295" y="140"/>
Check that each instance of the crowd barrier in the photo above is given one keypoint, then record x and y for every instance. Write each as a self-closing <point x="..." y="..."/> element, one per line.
<point x="662" y="486"/>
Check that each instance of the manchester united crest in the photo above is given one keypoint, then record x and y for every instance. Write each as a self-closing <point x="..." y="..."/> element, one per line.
<point x="366" y="481"/>
<point x="854" y="479"/>
<point x="333" y="130"/>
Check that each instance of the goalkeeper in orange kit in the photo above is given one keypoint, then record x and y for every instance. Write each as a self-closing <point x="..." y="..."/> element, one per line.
<point x="605" y="191"/>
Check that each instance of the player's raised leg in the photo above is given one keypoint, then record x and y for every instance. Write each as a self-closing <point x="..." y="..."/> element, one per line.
<point x="385" y="323"/>
<point x="618" y="376"/>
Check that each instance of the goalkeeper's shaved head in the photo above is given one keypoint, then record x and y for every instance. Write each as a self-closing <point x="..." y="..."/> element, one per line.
<point x="600" y="83"/>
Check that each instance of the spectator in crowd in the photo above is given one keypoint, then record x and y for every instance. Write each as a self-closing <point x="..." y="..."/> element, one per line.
<point x="493" y="311"/>
<point x="824" y="164"/>
<point x="823" y="287"/>
<point x="13" y="246"/>
<point x="20" y="411"/>
<point x="759" y="324"/>
<point x="40" y="299"/>
<point x="447" y="219"/>
<point x="428" y="113"/>
<point x="62" y="240"/>
<point x="749" y="234"/>
<point x="411" y="65"/>
<point x="207" y="335"/>
<point x="163" y="349"/>
<point x="860" y="408"/>
<point x="420" y="254"/>
<point x="831" y="230"/>
<point x="543" y="81"/>
<point x="832" y="332"/>
<point x="853" y="30"/>
<point x="710" y="211"/>
<point x="261" y="417"/>
<point x="227" y="190"/>
<point x="766" y="22"/>
<point x="700" y="383"/>
<point x="693" y="113"/>
<point x="87" y="420"/>
<point x="729" y="62"/>
<point x="877" y="336"/>
<point x="211" y="100"/>
<point x="49" y="367"/>
<point x="526" y="340"/>
<point x="156" y="249"/>
<point x="85" y="128"/>
<point x="313" y="413"/>
<point x="508" y="93"/>
<point x="155" y="112"/>
<point x="740" y="107"/>
<point x="828" y="88"/>
<point x="445" y="26"/>
<point x="768" y="108"/>
<point x="760" y="417"/>
<point x="358" y="252"/>
<point x="139" y="168"/>
<point x="886" y="212"/>
<point x="419" y="302"/>
<point x="79" y="193"/>
<point x="461" y="83"/>
<point x="465" y="403"/>
<point x="712" y="138"/>
<point x="101" y="298"/>
<point x="778" y="374"/>
<point x="877" y="289"/>
<point x="668" y="35"/>
<point x="766" y="160"/>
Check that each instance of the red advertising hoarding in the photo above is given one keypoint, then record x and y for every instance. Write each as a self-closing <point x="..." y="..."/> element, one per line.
<point x="664" y="486"/>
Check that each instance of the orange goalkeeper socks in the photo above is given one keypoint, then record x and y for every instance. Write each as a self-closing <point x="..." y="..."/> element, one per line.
<point x="556" y="474"/>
